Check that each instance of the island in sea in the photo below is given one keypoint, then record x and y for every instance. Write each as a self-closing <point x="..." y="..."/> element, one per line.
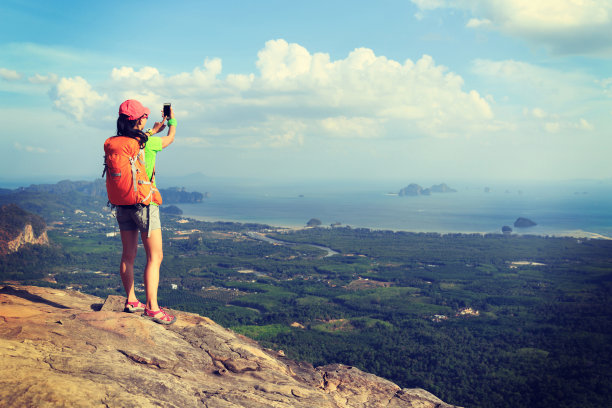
<point x="414" y="189"/>
<point x="522" y="222"/>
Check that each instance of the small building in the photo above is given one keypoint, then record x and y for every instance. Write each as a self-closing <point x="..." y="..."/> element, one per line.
<point x="468" y="311"/>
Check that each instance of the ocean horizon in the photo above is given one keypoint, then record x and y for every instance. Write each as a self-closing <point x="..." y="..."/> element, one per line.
<point x="577" y="208"/>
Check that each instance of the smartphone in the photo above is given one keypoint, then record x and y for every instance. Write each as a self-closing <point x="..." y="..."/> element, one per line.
<point x="167" y="110"/>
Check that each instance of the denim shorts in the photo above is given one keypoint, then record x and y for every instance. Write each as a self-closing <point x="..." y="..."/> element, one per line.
<point x="143" y="219"/>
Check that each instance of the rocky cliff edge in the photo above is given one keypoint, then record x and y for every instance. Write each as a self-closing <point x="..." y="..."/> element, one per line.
<point x="65" y="348"/>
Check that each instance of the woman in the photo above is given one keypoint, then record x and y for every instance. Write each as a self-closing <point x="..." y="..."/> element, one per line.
<point x="132" y="219"/>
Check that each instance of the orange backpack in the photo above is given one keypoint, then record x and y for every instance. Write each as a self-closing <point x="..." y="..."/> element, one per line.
<point x="127" y="182"/>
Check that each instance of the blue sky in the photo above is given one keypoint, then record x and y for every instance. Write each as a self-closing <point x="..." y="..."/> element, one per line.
<point x="409" y="90"/>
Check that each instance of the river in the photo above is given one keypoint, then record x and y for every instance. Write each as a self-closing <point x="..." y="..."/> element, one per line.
<point x="261" y="237"/>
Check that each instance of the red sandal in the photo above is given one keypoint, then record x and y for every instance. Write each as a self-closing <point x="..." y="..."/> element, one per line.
<point x="133" y="307"/>
<point x="165" y="318"/>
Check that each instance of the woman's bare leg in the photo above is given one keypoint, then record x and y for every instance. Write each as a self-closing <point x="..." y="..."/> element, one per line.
<point x="129" y="239"/>
<point x="155" y="254"/>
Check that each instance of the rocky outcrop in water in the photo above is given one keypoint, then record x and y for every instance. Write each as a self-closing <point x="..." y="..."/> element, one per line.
<point x="413" y="190"/>
<point x="416" y="190"/>
<point x="524" y="223"/>
<point x="65" y="348"/>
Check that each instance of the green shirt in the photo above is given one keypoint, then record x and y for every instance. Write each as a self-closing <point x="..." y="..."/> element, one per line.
<point x="153" y="145"/>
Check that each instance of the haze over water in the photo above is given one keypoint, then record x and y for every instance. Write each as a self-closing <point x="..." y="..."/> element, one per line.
<point x="572" y="208"/>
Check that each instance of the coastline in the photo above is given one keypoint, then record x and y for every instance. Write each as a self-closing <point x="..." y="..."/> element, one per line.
<point x="578" y="233"/>
<point x="581" y="234"/>
<point x="557" y="212"/>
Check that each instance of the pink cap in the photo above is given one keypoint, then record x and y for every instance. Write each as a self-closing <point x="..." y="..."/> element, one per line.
<point x="133" y="109"/>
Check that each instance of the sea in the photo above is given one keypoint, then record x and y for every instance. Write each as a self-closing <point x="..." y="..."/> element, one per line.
<point x="580" y="208"/>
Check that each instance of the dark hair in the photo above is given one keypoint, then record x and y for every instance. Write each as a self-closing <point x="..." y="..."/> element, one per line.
<point x="125" y="127"/>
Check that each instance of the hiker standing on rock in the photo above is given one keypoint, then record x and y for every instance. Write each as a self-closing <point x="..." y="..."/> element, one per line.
<point x="143" y="216"/>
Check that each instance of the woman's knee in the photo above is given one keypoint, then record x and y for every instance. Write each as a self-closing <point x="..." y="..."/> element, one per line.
<point x="129" y="240"/>
<point x="128" y="255"/>
<point x="155" y="257"/>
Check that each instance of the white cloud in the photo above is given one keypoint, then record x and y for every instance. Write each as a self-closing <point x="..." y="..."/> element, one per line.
<point x="354" y="128"/>
<point x="296" y="95"/>
<point x="9" y="74"/>
<point x="606" y="85"/>
<point x="477" y="23"/>
<point x="75" y="97"/>
<point x="286" y="139"/>
<point x="145" y="74"/>
<point x="425" y="96"/>
<point x="282" y="63"/>
<point x="43" y="79"/>
<point x="240" y="82"/>
<point x="566" y="26"/>
<point x="538" y="113"/>
<point x="199" y="78"/>
<point x="281" y="132"/>
<point x="585" y="125"/>
<point x="555" y="123"/>
<point x="149" y="80"/>
<point x="552" y="127"/>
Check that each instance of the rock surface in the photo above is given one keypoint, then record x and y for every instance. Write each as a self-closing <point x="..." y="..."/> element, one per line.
<point x="65" y="348"/>
<point x="27" y="236"/>
<point x="19" y="227"/>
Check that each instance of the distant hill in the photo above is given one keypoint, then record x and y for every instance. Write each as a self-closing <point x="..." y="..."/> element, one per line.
<point x="50" y="201"/>
<point x="171" y="209"/>
<point x="175" y="195"/>
<point x="97" y="188"/>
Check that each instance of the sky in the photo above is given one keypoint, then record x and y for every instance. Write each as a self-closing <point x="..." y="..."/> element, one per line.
<point x="279" y="91"/>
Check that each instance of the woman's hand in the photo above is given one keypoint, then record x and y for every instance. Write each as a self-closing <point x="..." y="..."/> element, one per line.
<point x="158" y="127"/>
